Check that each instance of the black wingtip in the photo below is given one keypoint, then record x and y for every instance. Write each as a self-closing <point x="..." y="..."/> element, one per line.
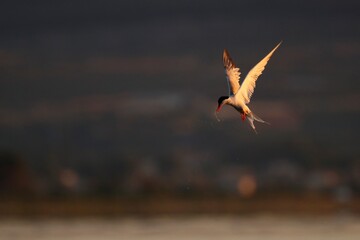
<point x="226" y="54"/>
<point x="228" y="62"/>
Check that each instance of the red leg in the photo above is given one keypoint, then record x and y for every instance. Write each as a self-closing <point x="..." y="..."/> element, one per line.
<point x="243" y="116"/>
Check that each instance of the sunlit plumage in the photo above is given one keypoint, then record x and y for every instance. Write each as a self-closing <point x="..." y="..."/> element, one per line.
<point x="239" y="96"/>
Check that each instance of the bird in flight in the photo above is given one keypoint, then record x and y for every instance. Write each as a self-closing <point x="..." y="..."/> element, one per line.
<point x="239" y="96"/>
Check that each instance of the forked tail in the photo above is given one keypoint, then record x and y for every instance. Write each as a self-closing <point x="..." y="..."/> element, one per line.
<point x="251" y="117"/>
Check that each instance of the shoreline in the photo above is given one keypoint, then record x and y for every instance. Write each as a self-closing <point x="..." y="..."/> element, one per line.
<point x="164" y="205"/>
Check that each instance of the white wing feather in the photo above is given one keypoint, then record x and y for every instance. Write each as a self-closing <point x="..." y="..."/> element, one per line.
<point x="232" y="73"/>
<point x="249" y="83"/>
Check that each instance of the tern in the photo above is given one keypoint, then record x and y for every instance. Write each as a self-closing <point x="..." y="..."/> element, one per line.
<point x="239" y="96"/>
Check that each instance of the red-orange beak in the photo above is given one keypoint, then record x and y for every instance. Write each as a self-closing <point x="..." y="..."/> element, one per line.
<point x="219" y="108"/>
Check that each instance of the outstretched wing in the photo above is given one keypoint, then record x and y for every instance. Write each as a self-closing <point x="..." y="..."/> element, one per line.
<point x="249" y="83"/>
<point x="232" y="73"/>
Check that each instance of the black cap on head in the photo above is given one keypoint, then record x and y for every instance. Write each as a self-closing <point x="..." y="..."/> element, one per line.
<point x="221" y="99"/>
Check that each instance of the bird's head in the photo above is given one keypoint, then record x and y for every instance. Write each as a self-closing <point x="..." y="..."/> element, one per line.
<point x="221" y="102"/>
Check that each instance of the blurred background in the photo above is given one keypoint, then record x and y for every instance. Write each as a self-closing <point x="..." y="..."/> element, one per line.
<point x="107" y="108"/>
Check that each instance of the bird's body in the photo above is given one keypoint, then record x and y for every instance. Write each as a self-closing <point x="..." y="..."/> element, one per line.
<point x="239" y="96"/>
<point x="238" y="104"/>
